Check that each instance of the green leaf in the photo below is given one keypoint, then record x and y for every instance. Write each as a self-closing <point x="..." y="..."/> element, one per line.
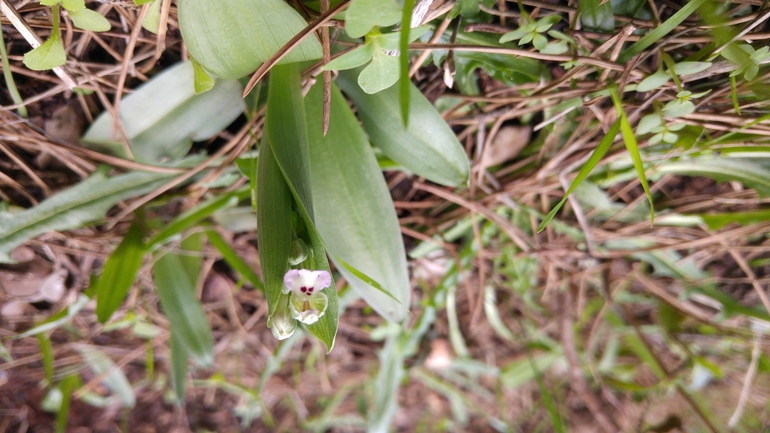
<point x="427" y="147"/>
<point x="202" y="80"/>
<point x="653" y="81"/>
<point x="353" y="208"/>
<point x="287" y="130"/>
<point x="142" y="2"/>
<point x="235" y="261"/>
<point x="403" y="86"/>
<point x="660" y="31"/>
<point x="46" y="352"/>
<point x="648" y="123"/>
<point x="594" y="159"/>
<point x="633" y="151"/>
<point x="179" y="358"/>
<point x="597" y="16"/>
<point x="164" y="115"/>
<point x="392" y="41"/>
<point x="57" y="319"/>
<point x="73" y="5"/>
<point x="677" y="108"/>
<point x="231" y="38"/>
<point x="744" y="170"/>
<point x="381" y="73"/>
<point x="115" y="380"/>
<point x="51" y="53"/>
<point x="85" y="202"/>
<point x="362" y="15"/>
<point x="119" y="273"/>
<point x="87" y="19"/>
<point x="352" y="59"/>
<point x="183" y="309"/>
<point x="688" y="68"/>
<point x="716" y="221"/>
<point x="189" y="218"/>
<point x="151" y="21"/>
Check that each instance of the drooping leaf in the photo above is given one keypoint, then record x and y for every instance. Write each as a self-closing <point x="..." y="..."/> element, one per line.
<point x="627" y="132"/>
<point x="428" y="147"/>
<point x="353" y="208"/>
<point x="362" y="15"/>
<point x="274" y="224"/>
<point x="597" y="15"/>
<point x="119" y="273"/>
<point x="87" y="19"/>
<point x="85" y="202"/>
<point x="163" y="116"/>
<point x="50" y="53"/>
<point x="287" y="130"/>
<point x="594" y="159"/>
<point x="231" y="38"/>
<point x="184" y="311"/>
<point x="381" y="73"/>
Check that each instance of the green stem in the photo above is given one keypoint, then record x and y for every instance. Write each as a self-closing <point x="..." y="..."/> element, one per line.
<point x="15" y="96"/>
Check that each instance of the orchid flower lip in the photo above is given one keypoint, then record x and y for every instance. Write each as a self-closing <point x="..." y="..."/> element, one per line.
<point x="305" y="282"/>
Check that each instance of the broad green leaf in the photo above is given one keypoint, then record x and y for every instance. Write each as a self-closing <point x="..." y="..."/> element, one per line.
<point x="677" y="108"/>
<point x="73" y="5"/>
<point x="119" y="273"/>
<point x="87" y="19"/>
<point x="653" y="81"/>
<point x="381" y="73"/>
<point x="183" y="309"/>
<point x="658" y="32"/>
<point x="115" y="380"/>
<point x="353" y="208"/>
<point x="362" y="15"/>
<point x="744" y="170"/>
<point x="689" y="68"/>
<point x="179" y="358"/>
<point x="594" y="159"/>
<point x="716" y="221"/>
<point x="49" y="54"/>
<point x="151" y="21"/>
<point x="427" y="147"/>
<point x="234" y="260"/>
<point x="274" y="224"/>
<point x="164" y="116"/>
<point x="191" y="257"/>
<point x="85" y="202"/>
<point x="189" y="218"/>
<point x="287" y="130"/>
<point x="231" y="38"/>
<point x="352" y="59"/>
<point x="597" y="15"/>
<point x="648" y="123"/>
<point x="627" y="132"/>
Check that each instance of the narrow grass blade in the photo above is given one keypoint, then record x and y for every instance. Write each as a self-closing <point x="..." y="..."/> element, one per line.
<point x="633" y="150"/>
<point x="46" y="350"/>
<point x="57" y="319"/>
<point x="67" y="385"/>
<point x="234" y="260"/>
<point x="660" y="31"/>
<point x="10" y="84"/>
<point x="189" y="218"/>
<point x="594" y="159"/>
<point x="556" y="421"/>
<point x="179" y="358"/>
<point x="183" y="309"/>
<point x="119" y="273"/>
<point x="403" y="43"/>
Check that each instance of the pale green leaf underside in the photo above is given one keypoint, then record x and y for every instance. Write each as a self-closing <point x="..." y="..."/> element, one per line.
<point x="427" y="147"/>
<point x="47" y="56"/>
<point x="87" y="19"/>
<point x="164" y="116"/>
<point x="353" y="208"/>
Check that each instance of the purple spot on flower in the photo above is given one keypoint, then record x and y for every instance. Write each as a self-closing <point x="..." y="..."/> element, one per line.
<point x="303" y="289"/>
